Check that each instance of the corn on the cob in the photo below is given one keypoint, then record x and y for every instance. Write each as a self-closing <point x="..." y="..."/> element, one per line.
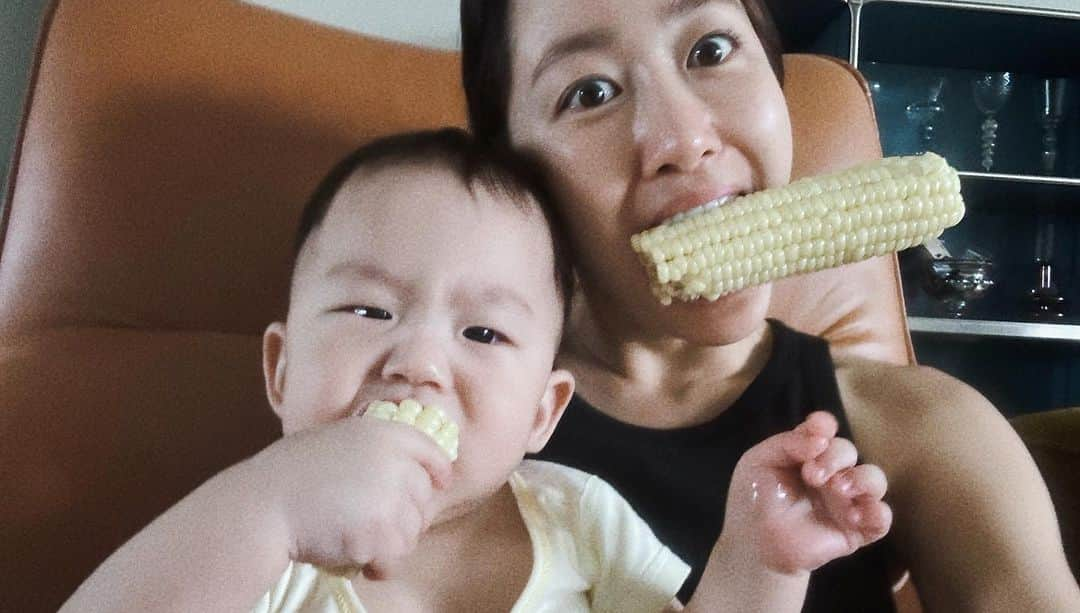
<point x="811" y="224"/>
<point x="428" y="419"/>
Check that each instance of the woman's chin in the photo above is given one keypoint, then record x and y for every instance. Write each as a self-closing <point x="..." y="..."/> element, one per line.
<point x="727" y="320"/>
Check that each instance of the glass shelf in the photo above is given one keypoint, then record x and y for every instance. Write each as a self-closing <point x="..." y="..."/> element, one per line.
<point x="1004" y="329"/>
<point x="935" y="107"/>
<point x="1036" y="179"/>
<point x="969" y="35"/>
<point x="1018" y="152"/>
<point x="1042" y="8"/>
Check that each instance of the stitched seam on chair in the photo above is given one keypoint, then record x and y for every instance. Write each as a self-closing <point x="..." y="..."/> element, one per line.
<point x="897" y="281"/>
<point x="861" y="80"/>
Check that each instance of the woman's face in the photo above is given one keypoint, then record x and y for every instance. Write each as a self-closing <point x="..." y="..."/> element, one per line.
<point x="641" y="109"/>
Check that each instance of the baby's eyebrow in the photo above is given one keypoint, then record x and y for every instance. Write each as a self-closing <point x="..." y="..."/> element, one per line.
<point x="355" y="270"/>
<point x="501" y="295"/>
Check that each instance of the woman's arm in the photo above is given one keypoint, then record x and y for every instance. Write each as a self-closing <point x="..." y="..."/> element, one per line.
<point x="972" y="515"/>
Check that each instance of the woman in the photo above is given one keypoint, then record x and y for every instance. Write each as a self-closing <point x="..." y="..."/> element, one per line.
<point x="639" y="109"/>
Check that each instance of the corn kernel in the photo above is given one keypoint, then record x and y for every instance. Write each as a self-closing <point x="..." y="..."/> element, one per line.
<point x="429" y="419"/>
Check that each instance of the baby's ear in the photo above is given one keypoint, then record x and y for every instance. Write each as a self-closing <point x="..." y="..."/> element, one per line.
<point x="560" y="388"/>
<point x="274" y="364"/>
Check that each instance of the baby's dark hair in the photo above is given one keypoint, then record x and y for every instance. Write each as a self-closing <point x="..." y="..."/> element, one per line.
<point x="495" y="168"/>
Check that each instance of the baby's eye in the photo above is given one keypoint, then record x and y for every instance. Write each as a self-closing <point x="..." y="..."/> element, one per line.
<point x="371" y="312"/>
<point x="588" y="93"/>
<point x="480" y="334"/>
<point x="711" y="50"/>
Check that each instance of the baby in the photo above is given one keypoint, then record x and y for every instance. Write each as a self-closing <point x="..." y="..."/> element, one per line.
<point x="431" y="272"/>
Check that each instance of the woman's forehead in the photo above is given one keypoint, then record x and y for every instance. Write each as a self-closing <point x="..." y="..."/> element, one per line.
<point x="546" y="29"/>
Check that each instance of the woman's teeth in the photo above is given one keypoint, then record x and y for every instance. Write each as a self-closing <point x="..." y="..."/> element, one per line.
<point x="708" y="206"/>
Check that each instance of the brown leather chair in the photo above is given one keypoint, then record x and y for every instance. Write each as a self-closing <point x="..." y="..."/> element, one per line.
<point x="1053" y="438"/>
<point x="165" y="152"/>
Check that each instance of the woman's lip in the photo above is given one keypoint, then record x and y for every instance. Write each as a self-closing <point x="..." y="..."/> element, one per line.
<point x="686" y="204"/>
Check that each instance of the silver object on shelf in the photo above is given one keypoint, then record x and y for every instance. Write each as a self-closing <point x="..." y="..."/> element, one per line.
<point x="992" y="91"/>
<point x="955" y="282"/>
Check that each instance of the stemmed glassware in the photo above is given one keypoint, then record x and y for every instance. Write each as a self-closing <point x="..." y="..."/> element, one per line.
<point x="1045" y="301"/>
<point x="992" y="90"/>
<point x="1053" y="111"/>
<point x="923" y="113"/>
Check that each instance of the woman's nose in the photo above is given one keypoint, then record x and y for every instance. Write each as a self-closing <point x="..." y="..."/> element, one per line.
<point x="674" y="128"/>
<point x="418" y="360"/>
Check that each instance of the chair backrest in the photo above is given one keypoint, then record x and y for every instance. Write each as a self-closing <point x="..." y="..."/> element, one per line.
<point x="164" y="155"/>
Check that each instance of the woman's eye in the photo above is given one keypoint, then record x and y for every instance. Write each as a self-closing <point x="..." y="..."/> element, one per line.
<point x="371" y="312"/>
<point x="588" y="93"/>
<point x="710" y="51"/>
<point x="480" y="334"/>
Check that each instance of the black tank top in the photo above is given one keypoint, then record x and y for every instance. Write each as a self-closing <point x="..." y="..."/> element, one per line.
<point x="678" y="479"/>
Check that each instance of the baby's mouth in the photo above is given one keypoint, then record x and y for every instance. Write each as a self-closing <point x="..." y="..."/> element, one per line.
<point x="429" y="419"/>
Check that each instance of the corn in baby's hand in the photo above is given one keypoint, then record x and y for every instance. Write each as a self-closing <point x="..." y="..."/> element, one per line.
<point x="809" y="225"/>
<point x="428" y="419"/>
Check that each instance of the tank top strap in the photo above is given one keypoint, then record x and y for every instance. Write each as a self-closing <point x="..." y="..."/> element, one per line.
<point x="812" y="367"/>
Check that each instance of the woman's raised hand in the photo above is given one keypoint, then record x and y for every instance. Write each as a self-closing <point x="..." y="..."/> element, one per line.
<point x="799" y="499"/>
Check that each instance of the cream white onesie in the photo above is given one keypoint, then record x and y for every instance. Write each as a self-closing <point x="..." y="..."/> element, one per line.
<point x="591" y="552"/>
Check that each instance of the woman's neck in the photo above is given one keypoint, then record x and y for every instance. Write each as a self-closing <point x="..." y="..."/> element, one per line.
<point x="660" y="382"/>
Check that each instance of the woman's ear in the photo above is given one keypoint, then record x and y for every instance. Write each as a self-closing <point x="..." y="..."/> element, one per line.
<point x="560" y="388"/>
<point x="274" y="364"/>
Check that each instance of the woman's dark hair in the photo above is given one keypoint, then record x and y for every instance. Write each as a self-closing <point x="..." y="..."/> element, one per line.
<point x="501" y="171"/>
<point x="485" y="60"/>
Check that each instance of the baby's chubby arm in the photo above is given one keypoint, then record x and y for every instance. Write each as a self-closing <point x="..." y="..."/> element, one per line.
<point x="353" y="493"/>
<point x="797" y="501"/>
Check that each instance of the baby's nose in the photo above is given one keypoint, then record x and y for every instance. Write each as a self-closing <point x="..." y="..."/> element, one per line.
<point x="418" y="360"/>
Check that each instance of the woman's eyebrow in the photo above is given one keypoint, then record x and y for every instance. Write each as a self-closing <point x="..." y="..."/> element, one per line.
<point x="574" y="43"/>
<point x="681" y="7"/>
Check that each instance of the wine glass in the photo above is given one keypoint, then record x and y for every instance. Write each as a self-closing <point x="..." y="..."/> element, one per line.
<point x="923" y="113"/>
<point x="992" y="90"/>
<point x="1053" y="111"/>
<point x="1045" y="301"/>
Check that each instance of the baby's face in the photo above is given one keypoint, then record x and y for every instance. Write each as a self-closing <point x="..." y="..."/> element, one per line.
<point x="413" y="287"/>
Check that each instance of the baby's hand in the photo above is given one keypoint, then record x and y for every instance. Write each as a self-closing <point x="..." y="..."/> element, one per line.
<point x="798" y="499"/>
<point x="357" y="493"/>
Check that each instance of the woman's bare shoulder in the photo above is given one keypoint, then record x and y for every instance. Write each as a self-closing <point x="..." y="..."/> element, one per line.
<point x="901" y="413"/>
<point x="903" y="392"/>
